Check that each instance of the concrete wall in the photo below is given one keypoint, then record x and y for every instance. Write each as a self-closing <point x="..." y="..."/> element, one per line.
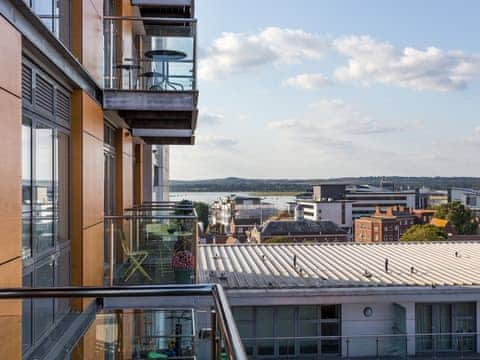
<point x="355" y="324"/>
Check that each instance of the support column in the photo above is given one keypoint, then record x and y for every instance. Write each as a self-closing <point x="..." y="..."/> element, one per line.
<point x="11" y="188"/>
<point x="124" y="171"/>
<point x="138" y="176"/>
<point x="87" y="191"/>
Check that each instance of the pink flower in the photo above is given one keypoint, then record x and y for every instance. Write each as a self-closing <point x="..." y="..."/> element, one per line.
<point x="183" y="260"/>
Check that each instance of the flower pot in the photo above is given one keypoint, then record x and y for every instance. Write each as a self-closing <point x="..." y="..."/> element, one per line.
<point x="183" y="276"/>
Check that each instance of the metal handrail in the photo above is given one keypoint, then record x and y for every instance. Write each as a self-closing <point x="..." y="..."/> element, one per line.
<point x="232" y="341"/>
<point x="159" y="19"/>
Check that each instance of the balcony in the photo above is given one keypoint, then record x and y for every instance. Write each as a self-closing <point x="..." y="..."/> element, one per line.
<point x="150" y="76"/>
<point x="154" y="243"/>
<point x="156" y="322"/>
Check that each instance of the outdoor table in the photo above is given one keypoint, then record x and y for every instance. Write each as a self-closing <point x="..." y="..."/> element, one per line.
<point x="165" y="57"/>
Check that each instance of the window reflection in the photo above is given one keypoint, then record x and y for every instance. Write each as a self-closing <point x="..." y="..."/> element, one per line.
<point x="26" y="188"/>
<point x="55" y="14"/>
<point x="43" y="190"/>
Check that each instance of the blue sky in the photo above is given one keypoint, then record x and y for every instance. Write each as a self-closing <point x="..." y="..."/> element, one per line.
<point x="318" y="89"/>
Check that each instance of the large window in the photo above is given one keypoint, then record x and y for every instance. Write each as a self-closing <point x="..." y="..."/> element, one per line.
<point x="45" y="200"/>
<point x="55" y="14"/>
<point x="439" y="327"/>
<point x="289" y="331"/>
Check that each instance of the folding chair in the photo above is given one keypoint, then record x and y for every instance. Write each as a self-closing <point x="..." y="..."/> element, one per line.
<point x="135" y="259"/>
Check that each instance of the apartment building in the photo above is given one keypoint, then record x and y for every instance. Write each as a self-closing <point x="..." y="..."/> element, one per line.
<point x="387" y="225"/>
<point x="87" y="88"/>
<point x="367" y="198"/>
<point x="468" y="197"/>
<point x="351" y="300"/>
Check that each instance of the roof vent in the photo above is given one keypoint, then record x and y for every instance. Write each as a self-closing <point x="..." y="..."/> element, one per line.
<point x="367" y="274"/>
<point x="412" y="270"/>
<point x="223" y="277"/>
<point x="294" y="261"/>
<point x="386" y="265"/>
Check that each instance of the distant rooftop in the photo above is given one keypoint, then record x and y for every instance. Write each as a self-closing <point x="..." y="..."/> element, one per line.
<point x="300" y="227"/>
<point x="341" y="265"/>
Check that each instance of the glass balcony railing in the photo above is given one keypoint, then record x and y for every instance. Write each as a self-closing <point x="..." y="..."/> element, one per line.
<point x="396" y="346"/>
<point x="155" y="322"/>
<point x="155" y="243"/>
<point x="150" y="54"/>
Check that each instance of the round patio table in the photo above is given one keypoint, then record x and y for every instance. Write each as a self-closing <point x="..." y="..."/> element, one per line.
<point x="165" y="57"/>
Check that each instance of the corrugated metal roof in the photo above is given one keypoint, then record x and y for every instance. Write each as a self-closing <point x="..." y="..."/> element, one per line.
<point x="261" y="266"/>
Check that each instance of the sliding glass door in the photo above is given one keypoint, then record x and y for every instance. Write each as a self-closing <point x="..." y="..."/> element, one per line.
<point x="445" y="327"/>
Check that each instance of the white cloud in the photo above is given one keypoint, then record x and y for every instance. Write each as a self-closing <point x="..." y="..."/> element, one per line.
<point x="477" y="130"/>
<point x="216" y="141"/>
<point x="239" y="52"/>
<point x="209" y="118"/>
<point x="308" y="81"/>
<point x="371" y="61"/>
<point x="335" y="117"/>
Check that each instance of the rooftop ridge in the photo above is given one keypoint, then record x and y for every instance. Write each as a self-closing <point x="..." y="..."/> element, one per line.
<point x="339" y="243"/>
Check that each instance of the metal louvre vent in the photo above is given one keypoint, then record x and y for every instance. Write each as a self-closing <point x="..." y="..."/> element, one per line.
<point x="44" y="94"/>
<point x="62" y="106"/>
<point x="27" y="91"/>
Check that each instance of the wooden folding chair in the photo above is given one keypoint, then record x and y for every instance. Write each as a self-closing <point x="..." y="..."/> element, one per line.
<point x="135" y="260"/>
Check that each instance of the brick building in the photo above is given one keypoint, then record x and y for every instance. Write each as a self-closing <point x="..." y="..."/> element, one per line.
<point x="387" y="225"/>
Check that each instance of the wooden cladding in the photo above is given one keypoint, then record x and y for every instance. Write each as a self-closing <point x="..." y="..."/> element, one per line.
<point x="44" y="96"/>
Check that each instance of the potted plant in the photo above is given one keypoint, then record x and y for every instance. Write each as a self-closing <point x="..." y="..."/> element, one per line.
<point x="183" y="264"/>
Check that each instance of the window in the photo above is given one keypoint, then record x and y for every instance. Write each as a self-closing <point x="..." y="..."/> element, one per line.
<point x="447" y="319"/>
<point x="45" y="200"/>
<point x="55" y="14"/>
<point x="284" y="331"/>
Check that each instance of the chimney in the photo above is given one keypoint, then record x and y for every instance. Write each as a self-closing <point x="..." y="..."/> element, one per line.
<point x="389" y="211"/>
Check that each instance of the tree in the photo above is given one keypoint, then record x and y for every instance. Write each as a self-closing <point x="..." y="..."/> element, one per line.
<point x="424" y="233"/>
<point x="459" y="216"/>
<point x="277" y="240"/>
<point x="202" y="211"/>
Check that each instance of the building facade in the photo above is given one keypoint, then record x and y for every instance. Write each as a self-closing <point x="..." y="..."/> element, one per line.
<point x="308" y="301"/>
<point x="87" y="87"/>
<point x="387" y="225"/>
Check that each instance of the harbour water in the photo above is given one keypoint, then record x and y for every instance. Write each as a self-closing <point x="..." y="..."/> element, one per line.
<point x="279" y="201"/>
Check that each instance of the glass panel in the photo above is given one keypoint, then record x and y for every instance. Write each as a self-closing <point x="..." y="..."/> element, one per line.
<point x="264" y="329"/>
<point x="308" y="313"/>
<point x="285" y="327"/>
<point x="27" y="316"/>
<point x="330" y="346"/>
<point x="423" y="325"/>
<point x="243" y="313"/>
<point x="62" y="270"/>
<point x="43" y="308"/>
<point x="43" y="192"/>
<point x="329" y="312"/>
<point x="62" y="185"/>
<point x="26" y="189"/>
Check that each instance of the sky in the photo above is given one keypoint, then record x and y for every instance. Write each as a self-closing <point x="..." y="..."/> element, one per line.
<point x="322" y="89"/>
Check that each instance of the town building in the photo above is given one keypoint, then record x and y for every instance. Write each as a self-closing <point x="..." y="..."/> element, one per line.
<point x="367" y="198"/>
<point x="428" y="199"/>
<point x="387" y="225"/>
<point x="343" y="204"/>
<point x="351" y="300"/>
<point x="234" y="215"/>
<point x="468" y="197"/>
<point x="423" y="216"/>
<point x="296" y="231"/>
